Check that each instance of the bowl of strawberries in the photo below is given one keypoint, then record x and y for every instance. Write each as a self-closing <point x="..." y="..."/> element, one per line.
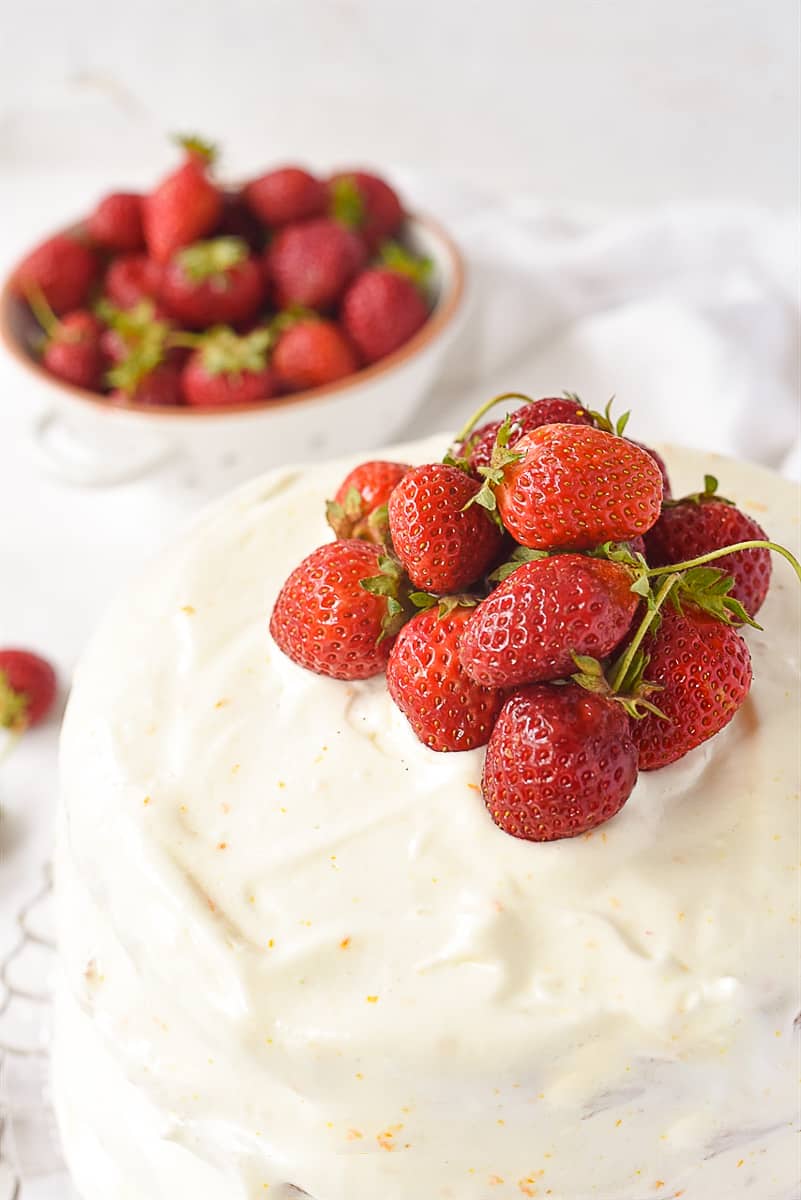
<point x="251" y="325"/>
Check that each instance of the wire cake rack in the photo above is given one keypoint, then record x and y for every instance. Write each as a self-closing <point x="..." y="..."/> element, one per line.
<point x="31" y="1163"/>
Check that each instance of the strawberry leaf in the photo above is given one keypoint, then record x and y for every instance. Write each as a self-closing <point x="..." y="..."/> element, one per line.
<point x="605" y="421"/>
<point x="448" y="603"/>
<point x="212" y="259"/>
<point x="224" y="352"/>
<point x="423" y="600"/>
<point x="398" y="259"/>
<point x="502" y="457"/>
<point x="642" y="586"/>
<point x="292" y="315"/>
<point x="389" y="583"/>
<point x="347" y="203"/>
<point x="451" y="459"/>
<point x="377" y="529"/>
<point x="710" y="492"/>
<point x="588" y="665"/>
<point x="520" y="555"/>
<point x="197" y="146"/>
<point x="634" y="689"/>
<point x="13" y="705"/>
<point x="708" y="588"/>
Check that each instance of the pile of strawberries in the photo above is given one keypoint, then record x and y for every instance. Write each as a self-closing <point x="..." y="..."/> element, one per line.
<point x="197" y="295"/>
<point x="538" y="592"/>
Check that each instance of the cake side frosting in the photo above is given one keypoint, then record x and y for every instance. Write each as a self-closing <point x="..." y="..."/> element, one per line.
<point x="298" y="951"/>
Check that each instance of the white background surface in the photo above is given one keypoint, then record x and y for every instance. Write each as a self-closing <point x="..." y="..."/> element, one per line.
<point x="623" y="174"/>
<point x="585" y="102"/>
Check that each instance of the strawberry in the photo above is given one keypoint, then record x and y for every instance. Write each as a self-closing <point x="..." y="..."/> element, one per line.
<point x="443" y="545"/>
<point x="185" y="206"/>
<point x="552" y="410"/>
<point x="573" y="487"/>
<point x="125" y="329"/>
<point x="560" y="762"/>
<point x="286" y="195"/>
<point x="704" y="668"/>
<point x="213" y="283"/>
<point x="660" y="462"/>
<point x="705" y="521"/>
<point x="312" y="263"/>
<point x="227" y="369"/>
<point x="116" y="223"/>
<point x="237" y="221"/>
<point x="546" y="611"/>
<point x="381" y="310"/>
<point x="27" y="689"/>
<point x="156" y="387"/>
<point x="131" y="278"/>
<point x="327" y="621"/>
<point x="358" y="509"/>
<point x="63" y="270"/>
<point x="74" y="350"/>
<point x="363" y="201"/>
<point x="310" y="353"/>
<point x="445" y="707"/>
<point x="149" y="373"/>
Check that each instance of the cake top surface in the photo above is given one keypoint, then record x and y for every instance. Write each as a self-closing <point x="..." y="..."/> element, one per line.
<point x="348" y="913"/>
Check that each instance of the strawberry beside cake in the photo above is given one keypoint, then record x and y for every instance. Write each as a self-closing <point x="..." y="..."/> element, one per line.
<point x="312" y="945"/>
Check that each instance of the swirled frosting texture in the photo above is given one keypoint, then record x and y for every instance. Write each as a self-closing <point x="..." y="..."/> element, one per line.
<point x="298" y="953"/>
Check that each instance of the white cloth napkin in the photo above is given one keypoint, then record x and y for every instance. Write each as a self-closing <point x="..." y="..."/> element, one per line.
<point x="690" y="318"/>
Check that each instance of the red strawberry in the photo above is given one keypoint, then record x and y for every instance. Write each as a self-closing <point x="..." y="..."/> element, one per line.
<point x="27" y="689"/>
<point x="444" y="546"/>
<point x="381" y="310"/>
<point x="363" y="493"/>
<point x="528" y="628"/>
<point x="286" y="195"/>
<point x="552" y="410"/>
<point x="575" y="487"/>
<point x="363" y="201"/>
<point x="312" y="263"/>
<point x="704" y="667"/>
<point x="311" y="353"/>
<point x="62" y="269"/>
<point x="325" y="620"/>
<point x="184" y="207"/>
<point x="444" y="706"/>
<point x="156" y="387"/>
<point x="213" y="283"/>
<point x="126" y="329"/>
<point x="150" y="372"/>
<point x="74" y="350"/>
<point x="703" y="522"/>
<point x="560" y="762"/>
<point x="132" y="278"/>
<point x="227" y="369"/>
<point x="116" y="223"/>
<point x="236" y="220"/>
<point x="660" y="462"/>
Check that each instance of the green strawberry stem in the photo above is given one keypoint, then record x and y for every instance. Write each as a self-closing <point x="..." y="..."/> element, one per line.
<point x="621" y="668"/>
<point x="188" y="341"/>
<point x="37" y="301"/>
<point x="722" y="552"/>
<point x="13" y="706"/>
<point x="476" y="417"/>
<point x="197" y="146"/>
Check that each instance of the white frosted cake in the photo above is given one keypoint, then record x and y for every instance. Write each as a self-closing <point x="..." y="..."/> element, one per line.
<point x="298" y="956"/>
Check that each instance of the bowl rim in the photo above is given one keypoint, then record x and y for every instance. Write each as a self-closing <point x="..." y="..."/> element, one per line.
<point x="442" y="316"/>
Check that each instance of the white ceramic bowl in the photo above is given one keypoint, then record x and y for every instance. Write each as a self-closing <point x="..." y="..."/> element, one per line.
<point x="83" y="439"/>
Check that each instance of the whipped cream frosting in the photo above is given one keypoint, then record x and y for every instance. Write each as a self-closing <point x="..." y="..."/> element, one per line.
<point x="298" y="954"/>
